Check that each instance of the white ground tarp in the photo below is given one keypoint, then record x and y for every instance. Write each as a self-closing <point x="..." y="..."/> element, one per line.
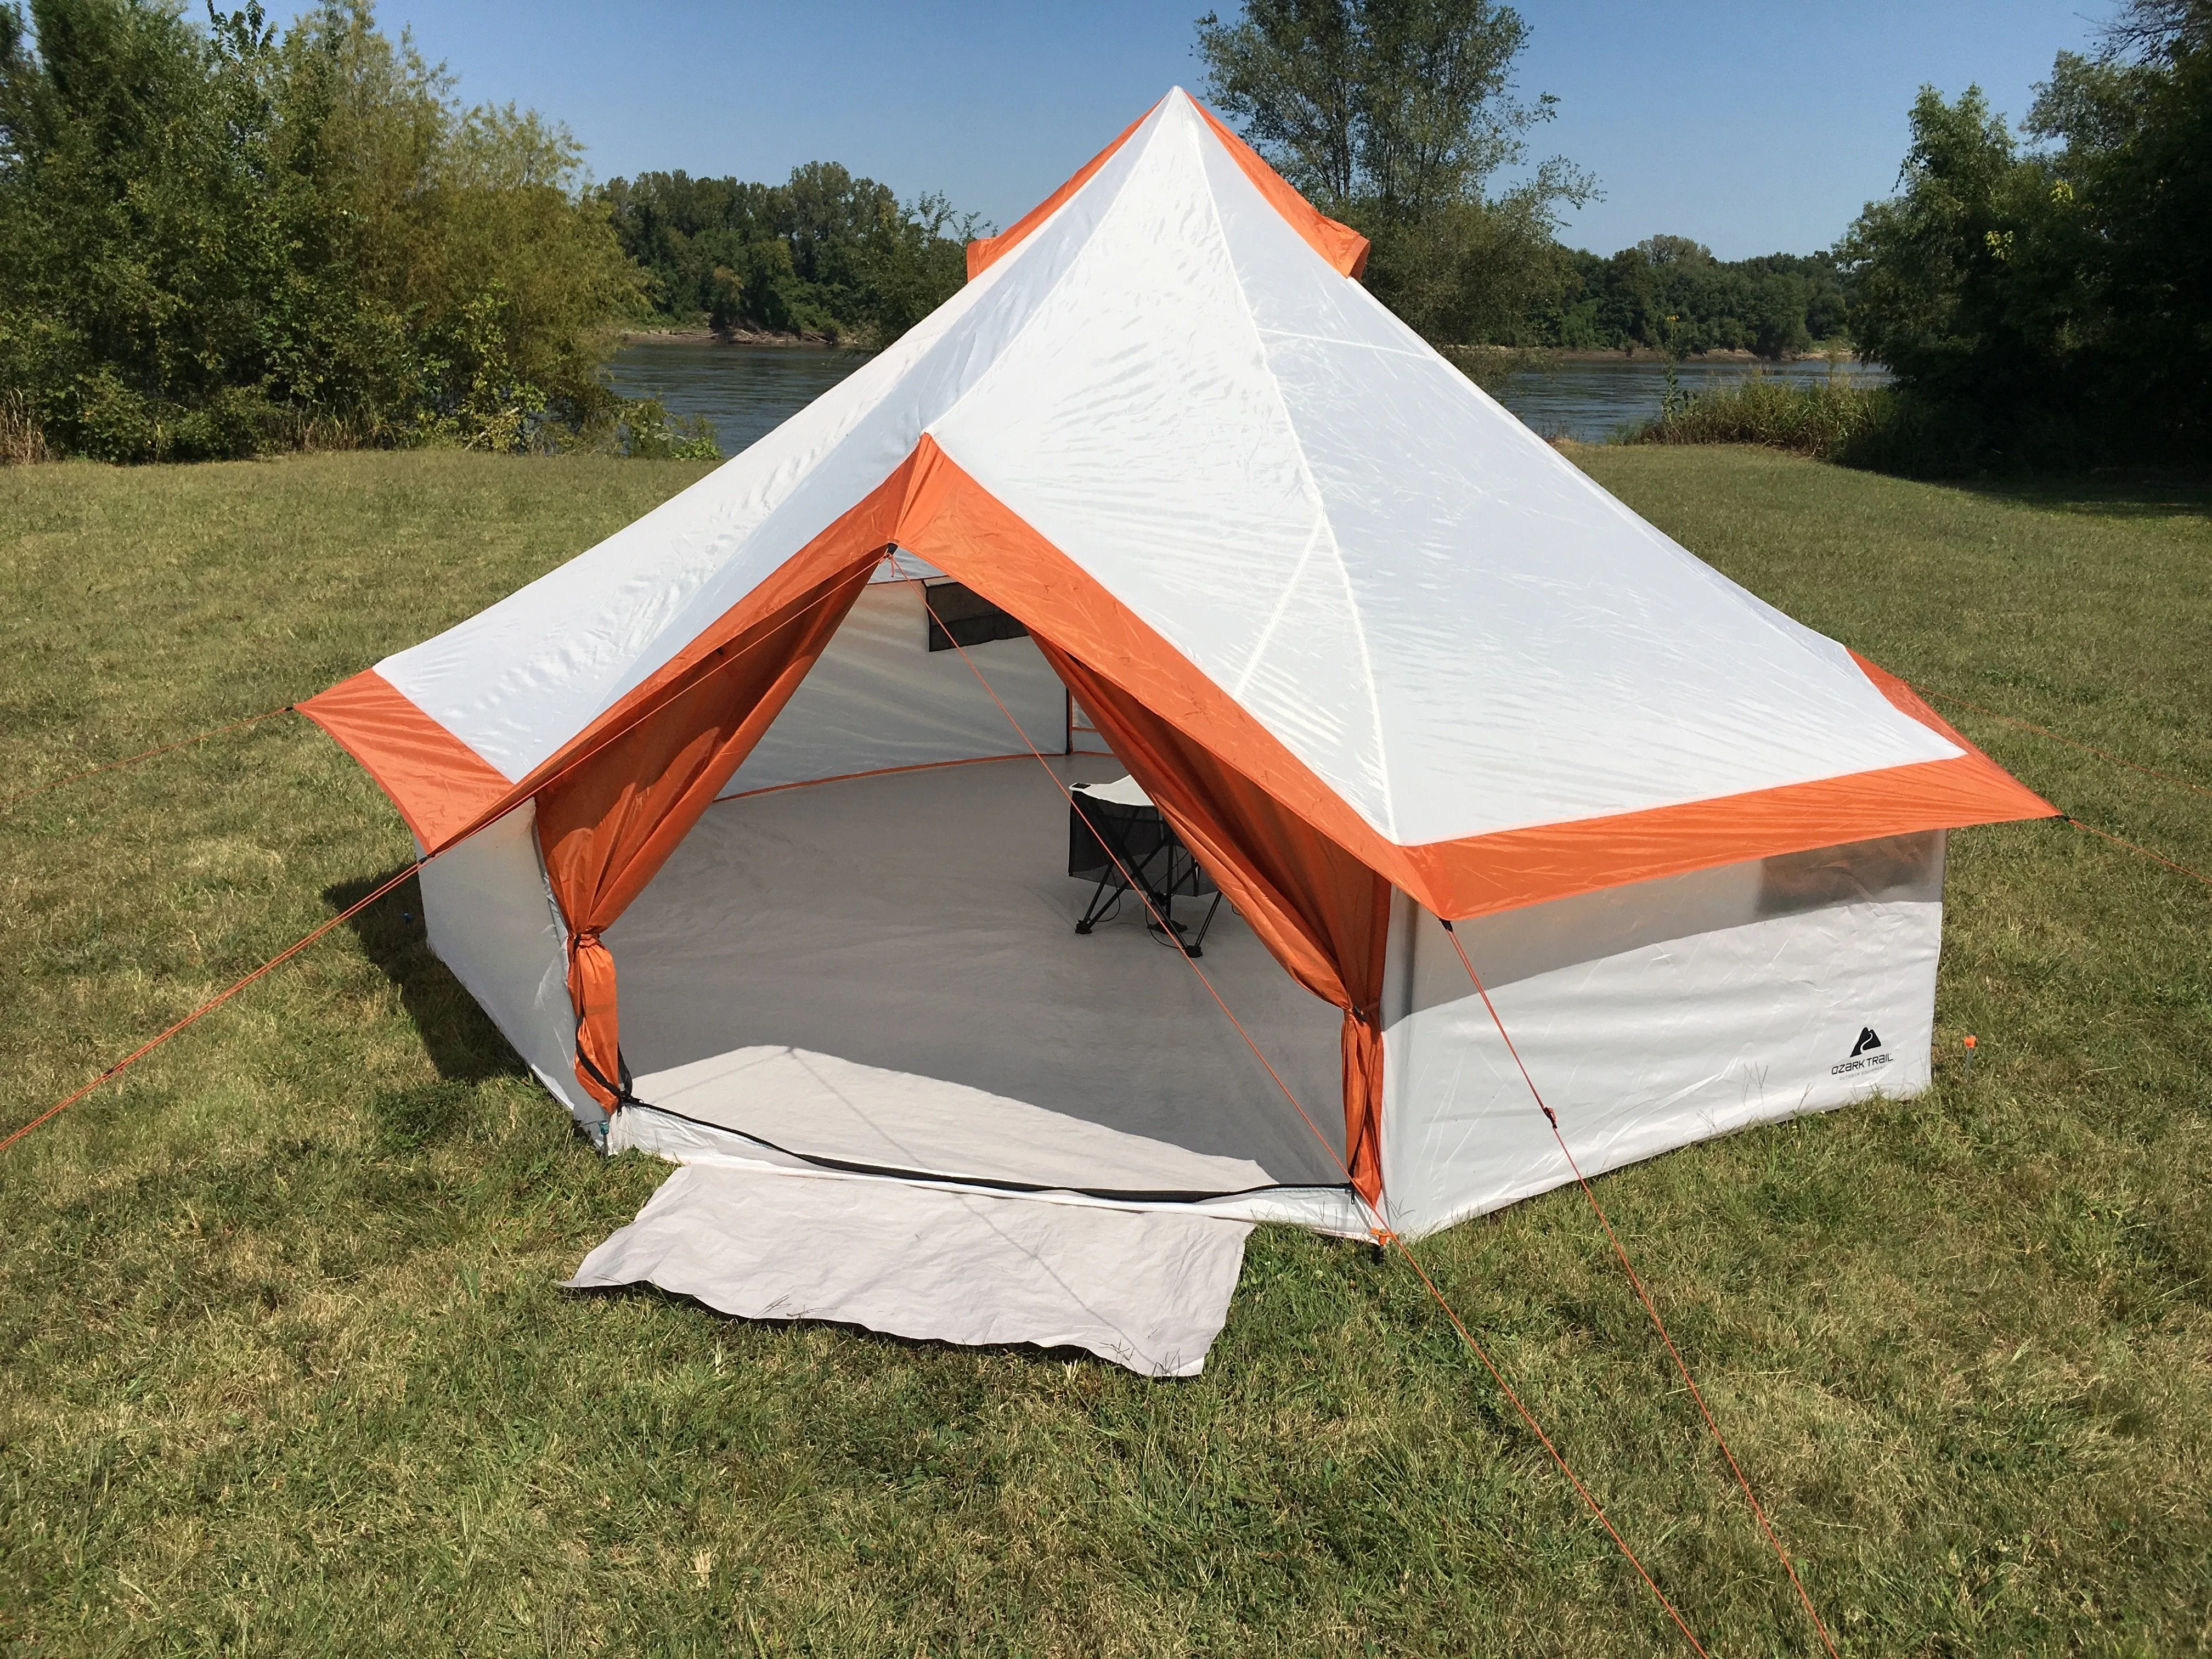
<point x="1148" y="1289"/>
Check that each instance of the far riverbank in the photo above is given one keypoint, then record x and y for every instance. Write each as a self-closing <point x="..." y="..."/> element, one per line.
<point x="747" y="387"/>
<point x="1630" y="354"/>
<point x="732" y="337"/>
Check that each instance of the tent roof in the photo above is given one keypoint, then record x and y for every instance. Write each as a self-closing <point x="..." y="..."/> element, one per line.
<point x="1165" y="425"/>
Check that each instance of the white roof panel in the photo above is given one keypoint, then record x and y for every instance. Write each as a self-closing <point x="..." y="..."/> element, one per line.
<point x="1447" y="621"/>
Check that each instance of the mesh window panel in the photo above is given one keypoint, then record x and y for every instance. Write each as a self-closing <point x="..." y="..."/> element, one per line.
<point x="1860" y="872"/>
<point x="960" y="616"/>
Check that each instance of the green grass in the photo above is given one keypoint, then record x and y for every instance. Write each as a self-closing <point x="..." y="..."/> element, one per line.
<point x="286" y="1370"/>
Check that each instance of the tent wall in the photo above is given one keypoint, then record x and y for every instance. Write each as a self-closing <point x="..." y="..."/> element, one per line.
<point x="880" y="698"/>
<point x="492" y="921"/>
<point x="1652" y="1016"/>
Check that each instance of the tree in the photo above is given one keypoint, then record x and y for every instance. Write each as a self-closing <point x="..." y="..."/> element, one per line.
<point x="134" y="242"/>
<point x="217" y="241"/>
<point x="2132" y="176"/>
<point x="1393" y="115"/>
<point x="1293" y="73"/>
<point x="1951" y="274"/>
<point x="2053" y="305"/>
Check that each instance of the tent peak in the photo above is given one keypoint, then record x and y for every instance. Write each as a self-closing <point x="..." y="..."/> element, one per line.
<point x="1343" y="247"/>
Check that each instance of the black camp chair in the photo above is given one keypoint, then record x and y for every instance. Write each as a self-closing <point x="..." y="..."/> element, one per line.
<point x="1118" y="844"/>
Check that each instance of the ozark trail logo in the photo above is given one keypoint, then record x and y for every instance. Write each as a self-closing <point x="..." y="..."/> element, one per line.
<point x="1866" y="1053"/>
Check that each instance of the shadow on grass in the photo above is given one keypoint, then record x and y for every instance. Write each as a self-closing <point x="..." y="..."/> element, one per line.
<point x="646" y="1291"/>
<point x="463" y="1043"/>
<point x="2111" y="494"/>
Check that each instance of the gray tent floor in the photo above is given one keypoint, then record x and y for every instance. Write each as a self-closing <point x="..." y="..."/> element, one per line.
<point x="813" y="962"/>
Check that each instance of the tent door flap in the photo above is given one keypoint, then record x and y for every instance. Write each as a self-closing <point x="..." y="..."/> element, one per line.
<point x="1146" y="1289"/>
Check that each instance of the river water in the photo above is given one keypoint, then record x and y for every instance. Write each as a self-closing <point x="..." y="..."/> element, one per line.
<point x="746" y="391"/>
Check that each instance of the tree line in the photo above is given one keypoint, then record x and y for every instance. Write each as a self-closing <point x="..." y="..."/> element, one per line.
<point x="217" y="241"/>
<point x="1669" y="294"/>
<point x="1395" y="116"/>
<point x="825" y="254"/>
<point x="222" y="240"/>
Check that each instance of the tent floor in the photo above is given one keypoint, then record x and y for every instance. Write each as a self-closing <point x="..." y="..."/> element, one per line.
<point x="884" y="971"/>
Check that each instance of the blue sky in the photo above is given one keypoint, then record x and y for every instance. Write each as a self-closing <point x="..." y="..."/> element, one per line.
<point x="1752" y="125"/>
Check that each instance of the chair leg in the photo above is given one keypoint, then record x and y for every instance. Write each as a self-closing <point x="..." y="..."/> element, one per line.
<point x="1197" y="944"/>
<point x="1096" y="908"/>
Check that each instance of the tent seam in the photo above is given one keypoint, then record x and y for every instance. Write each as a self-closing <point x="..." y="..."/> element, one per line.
<point x="1356" y="345"/>
<point x="1389" y="825"/>
<point x="1722" y="584"/>
<point x="1134" y="150"/>
<point x="1276" y="617"/>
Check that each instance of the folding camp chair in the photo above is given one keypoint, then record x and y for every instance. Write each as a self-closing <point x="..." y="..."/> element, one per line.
<point x="1115" y="835"/>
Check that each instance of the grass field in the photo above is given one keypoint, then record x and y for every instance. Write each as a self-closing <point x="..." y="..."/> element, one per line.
<point x="284" y="1368"/>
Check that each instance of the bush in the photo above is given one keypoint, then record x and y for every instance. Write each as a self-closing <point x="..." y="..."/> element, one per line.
<point x="1827" y="419"/>
<point x="22" y="441"/>
<point x="2050" y="306"/>
<point x="645" y="431"/>
<point x="1883" y="428"/>
<point x="224" y="241"/>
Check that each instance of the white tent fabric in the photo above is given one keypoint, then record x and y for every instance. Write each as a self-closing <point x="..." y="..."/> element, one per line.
<point x="1451" y="624"/>
<point x="746" y="1101"/>
<point x="874" y="702"/>
<point x="1146" y="1290"/>
<point x="1120" y="792"/>
<point x="915" y="930"/>
<point x="492" y="920"/>
<point x="1652" y="1016"/>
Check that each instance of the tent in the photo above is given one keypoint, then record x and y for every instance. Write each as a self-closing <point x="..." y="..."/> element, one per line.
<point x="747" y="826"/>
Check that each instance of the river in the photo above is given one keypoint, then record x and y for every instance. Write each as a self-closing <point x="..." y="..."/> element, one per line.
<point x="746" y="391"/>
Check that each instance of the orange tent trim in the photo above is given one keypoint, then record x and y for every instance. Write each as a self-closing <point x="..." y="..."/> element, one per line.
<point x="987" y="251"/>
<point x="441" y="785"/>
<point x="1339" y="244"/>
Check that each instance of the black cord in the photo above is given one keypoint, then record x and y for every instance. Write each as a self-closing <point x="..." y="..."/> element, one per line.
<point x="847" y="1167"/>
